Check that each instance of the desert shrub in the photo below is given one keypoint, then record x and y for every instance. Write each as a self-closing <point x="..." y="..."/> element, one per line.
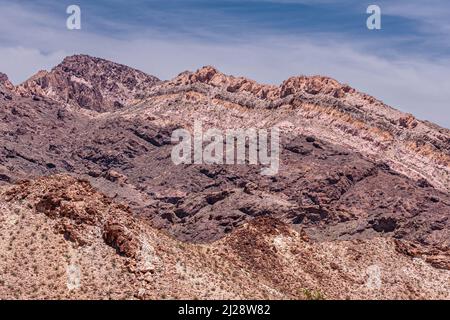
<point x="313" y="294"/>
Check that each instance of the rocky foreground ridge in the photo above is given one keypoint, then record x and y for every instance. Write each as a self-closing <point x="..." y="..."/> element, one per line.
<point x="61" y="239"/>
<point x="362" y="188"/>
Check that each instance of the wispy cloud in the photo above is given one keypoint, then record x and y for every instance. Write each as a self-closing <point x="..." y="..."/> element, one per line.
<point x="164" y="42"/>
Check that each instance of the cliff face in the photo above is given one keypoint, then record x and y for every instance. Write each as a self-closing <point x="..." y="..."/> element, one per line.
<point x="355" y="175"/>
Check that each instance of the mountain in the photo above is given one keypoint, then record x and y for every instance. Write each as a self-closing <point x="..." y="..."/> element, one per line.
<point x="90" y="83"/>
<point x="61" y="239"/>
<point x="361" y="187"/>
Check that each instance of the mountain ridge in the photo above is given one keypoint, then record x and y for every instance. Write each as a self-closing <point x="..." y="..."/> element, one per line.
<point x="361" y="187"/>
<point x="341" y="114"/>
<point x="313" y="84"/>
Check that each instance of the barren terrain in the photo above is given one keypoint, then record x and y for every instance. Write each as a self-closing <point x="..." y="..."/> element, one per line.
<point x="92" y="205"/>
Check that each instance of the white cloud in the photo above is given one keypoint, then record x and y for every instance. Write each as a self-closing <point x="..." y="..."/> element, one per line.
<point x="433" y="13"/>
<point x="411" y="84"/>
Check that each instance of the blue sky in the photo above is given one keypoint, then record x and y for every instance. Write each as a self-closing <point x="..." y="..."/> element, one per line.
<point x="406" y="63"/>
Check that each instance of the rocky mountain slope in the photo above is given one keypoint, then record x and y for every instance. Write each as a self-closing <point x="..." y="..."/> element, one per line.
<point x="316" y="106"/>
<point x="61" y="239"/>
<point x="359" y="183"/>
<point x="90" y="83"/>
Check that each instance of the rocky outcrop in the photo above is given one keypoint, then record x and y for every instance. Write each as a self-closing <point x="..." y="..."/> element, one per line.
<point x="122" y="239"/>
<point x="6" y="87"/>
<point x="90" y="83"/>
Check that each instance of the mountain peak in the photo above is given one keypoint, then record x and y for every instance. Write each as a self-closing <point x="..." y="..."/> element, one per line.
<point x="81" y="57"/>
<point x="311" y="85"/>
<point x="211" y="76"/>
<point x="203" y="75"/>
<point x="91" y="83"/>
<point x="314" y="85"/>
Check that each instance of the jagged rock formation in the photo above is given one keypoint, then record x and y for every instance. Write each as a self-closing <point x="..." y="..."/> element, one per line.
<point x="355" y="174"/>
